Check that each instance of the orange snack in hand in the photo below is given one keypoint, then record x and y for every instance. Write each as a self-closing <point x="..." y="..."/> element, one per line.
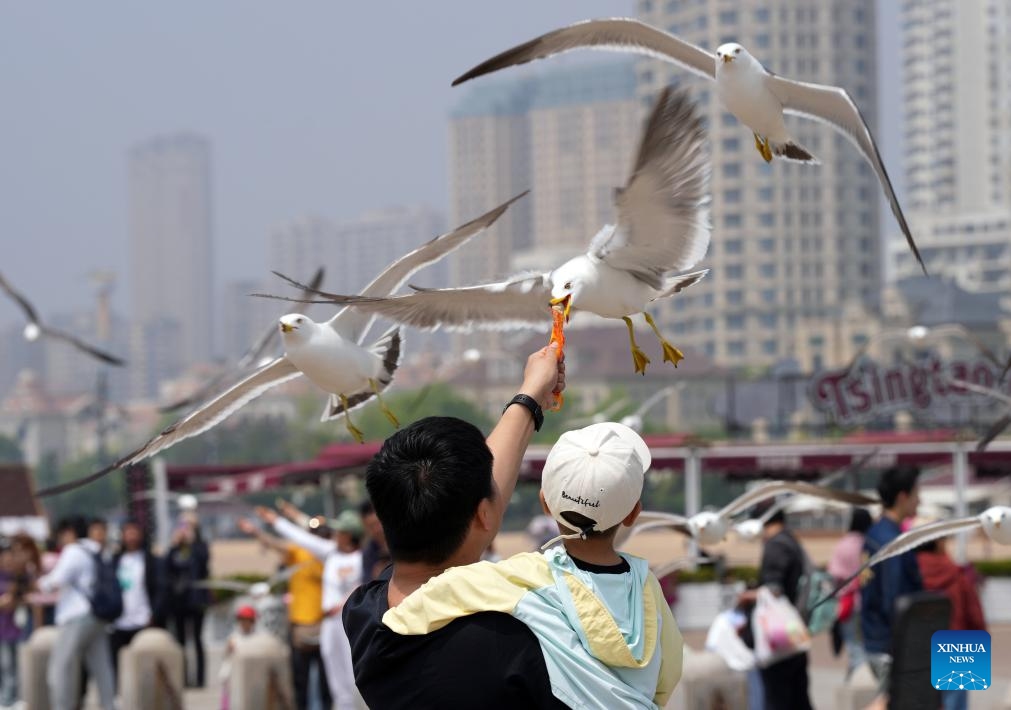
<point x="558" y="336"/>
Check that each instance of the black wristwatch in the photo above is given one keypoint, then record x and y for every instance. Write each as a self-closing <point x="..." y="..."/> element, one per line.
<point x="530" y="403"/>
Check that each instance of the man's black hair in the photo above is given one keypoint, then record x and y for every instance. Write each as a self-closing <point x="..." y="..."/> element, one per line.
<point x="900" y="479"/>
<point x="73" y="523"/>
<point x="366" y="508"/>
<point x="145" y="542"/>
<point x="426" y="483"/>
<point x="860" y="521"/>
<point x="778" y="517"/>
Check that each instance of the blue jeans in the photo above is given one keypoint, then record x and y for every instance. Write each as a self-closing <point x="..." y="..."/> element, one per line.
<point x="955" y="699"/>
<point x="8" y="672"/>
<point x="855" y="654"/>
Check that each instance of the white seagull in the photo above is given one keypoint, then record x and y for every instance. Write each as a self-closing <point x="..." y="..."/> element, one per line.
<point x="330" y="354"/>
<point x="755" y="95"/>
<point x="662" y="229"/>
<point x="711" y="527"/>
<point x="255" y="356"/>
<point x="995" y="522"/>
<point x="34" y="328"/>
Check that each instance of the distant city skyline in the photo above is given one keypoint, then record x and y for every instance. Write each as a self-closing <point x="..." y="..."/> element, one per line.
<point x="276" y="119"/>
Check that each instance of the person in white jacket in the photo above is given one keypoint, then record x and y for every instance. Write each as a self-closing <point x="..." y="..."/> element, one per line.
<point x="342" y="573"/>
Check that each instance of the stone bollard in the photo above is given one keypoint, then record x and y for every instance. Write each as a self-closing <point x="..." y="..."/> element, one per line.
<point x="151" y="672"/>
<point x="33" y="659"/>
<point x="707" y="682"/>
<point x="858" y="692"/>
<point x="260" y="674"/>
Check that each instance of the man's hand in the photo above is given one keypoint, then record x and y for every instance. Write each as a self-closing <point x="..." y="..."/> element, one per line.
<point x="265" y="514"/>
<point x="288" y="510"/>
<point x="544" y="374"/>
<point x="247" y="526"/>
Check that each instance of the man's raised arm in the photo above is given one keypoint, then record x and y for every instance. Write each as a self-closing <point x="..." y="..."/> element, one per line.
<point x="508" y="442"/>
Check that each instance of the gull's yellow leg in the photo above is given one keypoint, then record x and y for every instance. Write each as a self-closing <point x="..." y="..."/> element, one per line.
<point x="670" y="353"/>
<point x="355" y="432"/>
<point x="382" y="405"/>
<point x="639" y="358"/>
<point x="762" y="144"/>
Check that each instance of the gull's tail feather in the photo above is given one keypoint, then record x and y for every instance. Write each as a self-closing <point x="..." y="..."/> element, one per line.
<point x="676" y="284"/>
<point x="793" y="151"/>
<point x="388" y="348"/>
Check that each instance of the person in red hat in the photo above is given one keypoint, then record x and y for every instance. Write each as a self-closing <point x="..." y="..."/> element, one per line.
<point x="245" y="623"/>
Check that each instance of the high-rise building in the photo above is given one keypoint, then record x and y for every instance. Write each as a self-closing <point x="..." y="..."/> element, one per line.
<point x="957" y="111"/>
<point x="794" y="246"/>
<point x="171" y="247"/>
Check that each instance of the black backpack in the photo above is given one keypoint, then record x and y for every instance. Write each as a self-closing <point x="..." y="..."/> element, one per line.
<point x="107" y="594"/>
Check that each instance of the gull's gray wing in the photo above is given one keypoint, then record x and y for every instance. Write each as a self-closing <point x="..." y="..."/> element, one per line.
<point x="771" y="490"/>
<point x="29" y="310"/>
<point x="834" y="106"/>
<point x="199" y="421"/>
<point x="81" y="345"/>
<point x="663" y="212"/>
<point x="650" y="520"/>
<point x="352" y="323"/>
<point x="616" y="34"/>
<point x="910" y="540"/>
<point x="521" y="301"/>
<point x="995" y="430"/>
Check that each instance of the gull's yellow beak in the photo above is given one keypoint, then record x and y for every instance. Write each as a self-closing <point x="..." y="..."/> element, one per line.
<point x="566" y="303"/>
<point x="727" y="58"/>
<point x="285" y="328"/>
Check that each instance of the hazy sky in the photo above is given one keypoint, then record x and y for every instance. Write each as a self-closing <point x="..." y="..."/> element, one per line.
<point x="312" y="107"/>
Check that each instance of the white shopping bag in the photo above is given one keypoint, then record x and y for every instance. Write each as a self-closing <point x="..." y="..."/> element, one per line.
<point x="724" y="641"/>
<point x="778" y="629"/>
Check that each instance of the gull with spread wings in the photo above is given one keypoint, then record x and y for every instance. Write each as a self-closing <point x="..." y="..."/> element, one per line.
<point x="711" y="527"/>
<point x="662" y="229"/>
<point x="331" y="354"/>
<point x="755" y="95"/>
<point x="35" y="328"/>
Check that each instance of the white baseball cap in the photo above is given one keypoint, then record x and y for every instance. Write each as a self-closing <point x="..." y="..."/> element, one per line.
<point x="598" y="472"/>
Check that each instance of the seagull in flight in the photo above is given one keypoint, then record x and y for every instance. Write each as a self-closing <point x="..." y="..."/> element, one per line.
<point x="662" y="229"/>
<point x="752" y="527"/>
<point x="255" y="356"/>
<point x="711" y="527"/>
<point x="331" y="354"/>
<point x="755" y="95"/>
<point x="35" y="328"/>
<point x="995" y="522"/>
